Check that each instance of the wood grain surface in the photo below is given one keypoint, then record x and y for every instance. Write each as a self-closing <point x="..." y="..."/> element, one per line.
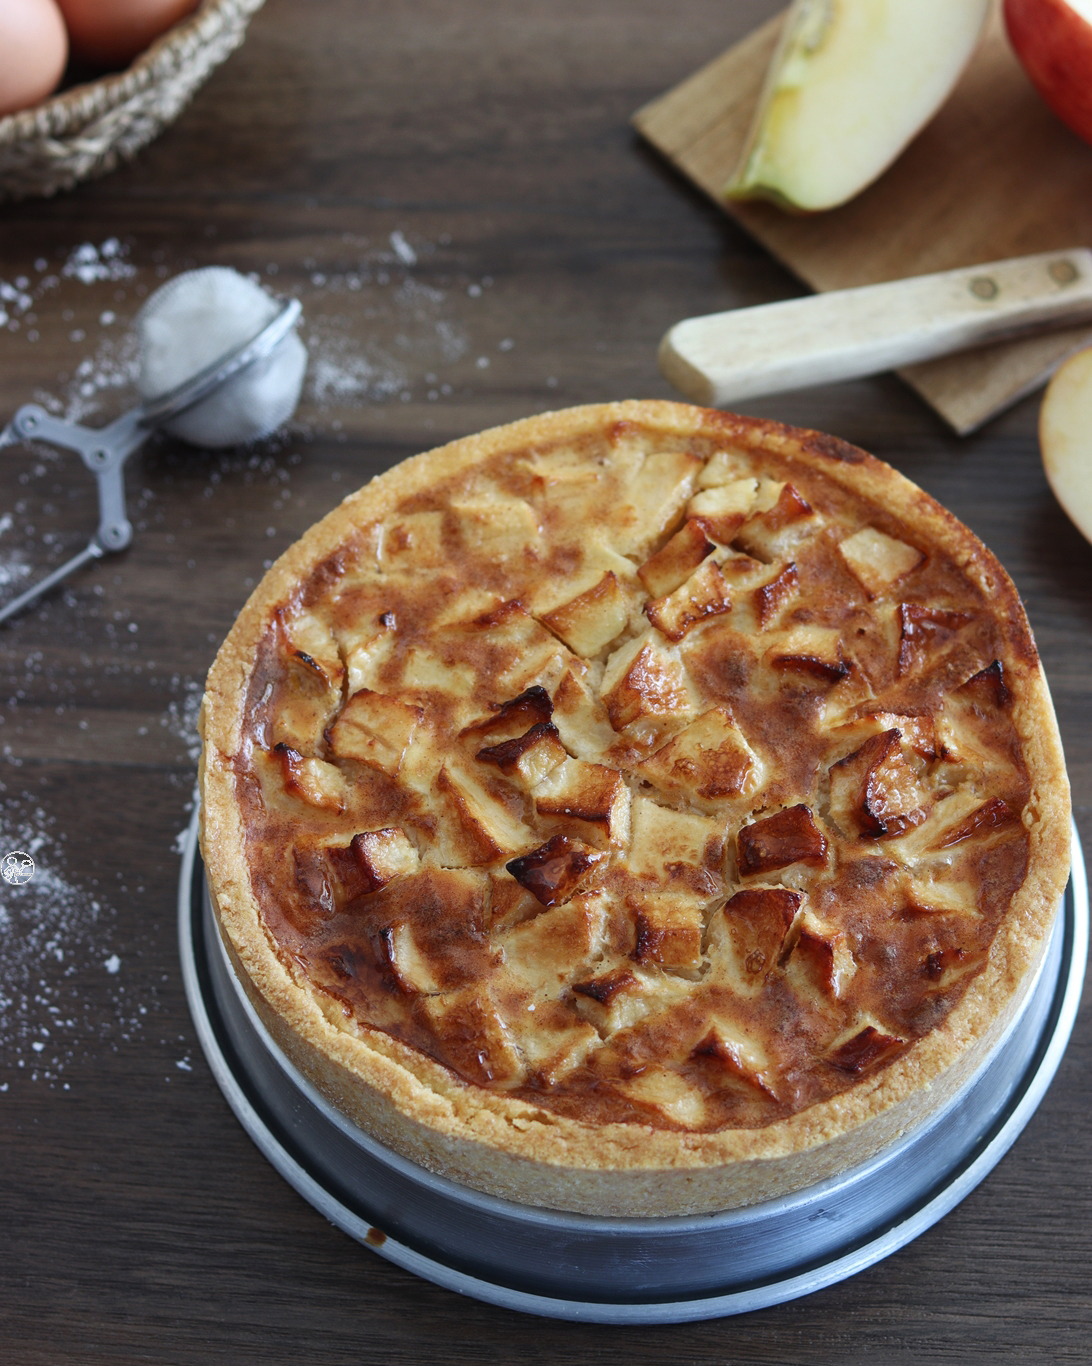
<point x="993" y="175"/>
<point x="550" y="250"/>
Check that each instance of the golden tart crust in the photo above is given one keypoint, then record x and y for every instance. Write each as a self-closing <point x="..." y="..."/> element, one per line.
<point x="635" y="810"/>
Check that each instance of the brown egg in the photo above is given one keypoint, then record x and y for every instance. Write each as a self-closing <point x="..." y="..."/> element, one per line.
<point x="33" y="52"/>
<point x="110" y="33"/>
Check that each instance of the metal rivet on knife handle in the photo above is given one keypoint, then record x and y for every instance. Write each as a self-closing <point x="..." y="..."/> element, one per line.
<point x="1064" y="272"/>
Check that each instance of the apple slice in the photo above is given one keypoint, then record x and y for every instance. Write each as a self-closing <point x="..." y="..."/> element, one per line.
<point x="1065" y="439"/>
<point x="1053" y="40"/>
<point x="851" y="82"/>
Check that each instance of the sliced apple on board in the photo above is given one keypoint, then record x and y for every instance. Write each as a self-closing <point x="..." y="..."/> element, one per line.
<point x="1065" y="439"/>
<point x="850" y="84"/>
<point x="1053" y="40"/>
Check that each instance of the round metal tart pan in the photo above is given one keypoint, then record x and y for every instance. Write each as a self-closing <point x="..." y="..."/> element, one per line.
<point x="666" y="1270"/>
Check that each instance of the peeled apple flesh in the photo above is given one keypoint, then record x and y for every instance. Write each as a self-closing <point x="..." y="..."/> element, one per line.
<point x="851" y="82"/>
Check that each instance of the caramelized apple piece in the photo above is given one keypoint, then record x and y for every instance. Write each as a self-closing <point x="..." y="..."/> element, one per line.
<point x="642" y="681"/>
<point x="673" y="563"/>
<point x="926" y="896"/>
<point x="434" y="936"/>
<point x="605" y="988"/>
<point x="411" y="966"/>
<point x="992" y="815"/>
<point x="987" y="687"/>
<point x="821" y="954"/>
<point x="494" y="527"/>
<point x="590" y="621"/>
<point x="305" y="706"/>
<point x="864" y="1050"/>
<point x="593" y="797"/>
<point x="429" y="677"/>
<point x="546" y="952"/>
<point x="580" y="716"/>
<point x="668" y="930"/>
<point x="312" y="780"/>
<point x="413" y="541"/>
<point x="943" y="961"/>
<point x="663" y="1090"/>
<point x="310" y="645"/>
<point x="921" y="626"/>
<point x="511" y="648"/>
<point x="728" y="467"/>
<point x="616" y="998"/>
<point x="812" y="651"/>
<point x="315" y="881"/>
<point x="778" y="841"/>
<point x="365" y="659"/>
<point x="529" y="757"/>
<point x="722" y="510"/>
<point x="310" y="665"/>
<point x="383" y="855"/>
<point x="653" y="500"/>
<point x="375" y="730"/>
<point x="709" y="759"/>
<point x="554" y="871"/>
<point x="875" y="792"/>
<point x="532" y="707"/>
<point x="737" y="1055"/>
<point x="368" y="862"/>
<point x="704" y="594"/>
<point x="758" y="919"/>
<point x="876" y="560"/>
<point x="814" y="667"/>
<point x="919" y="732"/>
<point x="764" y="535"/>
<point x="565" y="486"/>
<point x="310" y="693"/>
<point x="477" y="1041"/>
<point x="553" y="1042"/>
<point x="479" y="829"/>
<point x="676" y="849"/>
<point x="772" y="596"/>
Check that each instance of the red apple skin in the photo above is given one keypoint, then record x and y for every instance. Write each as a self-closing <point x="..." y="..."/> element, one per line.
<point x="1054" y="45"/>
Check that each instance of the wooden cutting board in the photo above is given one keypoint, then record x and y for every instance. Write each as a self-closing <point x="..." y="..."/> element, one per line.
<point x="995" y="174"/>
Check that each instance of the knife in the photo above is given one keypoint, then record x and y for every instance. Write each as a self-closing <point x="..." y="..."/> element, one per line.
<point x="847" y="333"/>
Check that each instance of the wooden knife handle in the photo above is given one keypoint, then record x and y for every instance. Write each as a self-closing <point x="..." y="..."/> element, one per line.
<point x="724" y="357"/>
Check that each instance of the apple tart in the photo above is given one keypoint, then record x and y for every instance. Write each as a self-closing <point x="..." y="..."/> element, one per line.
<point x="635" y="810"/>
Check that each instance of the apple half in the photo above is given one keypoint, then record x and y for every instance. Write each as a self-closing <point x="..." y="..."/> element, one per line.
<point x="1053" y="40"/>
<point x="1065" y="439"/>
<point x="851" y="82"/>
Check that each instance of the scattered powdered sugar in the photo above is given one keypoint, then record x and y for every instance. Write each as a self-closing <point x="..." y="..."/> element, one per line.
<point x="180" y="718"/>
<point x="90" y="264"/>
<point x="341" y="375"/>
<point x="410" y="333"/>
<point x="62" y="982"/>
<point x="112" y="366"/>
<point x="402" y="248"/>
<point x="13" y="569"/>
<point x="13" y="563"/>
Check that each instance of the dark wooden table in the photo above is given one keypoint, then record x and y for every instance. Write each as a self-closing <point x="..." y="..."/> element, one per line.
<point x="452" y="189"/>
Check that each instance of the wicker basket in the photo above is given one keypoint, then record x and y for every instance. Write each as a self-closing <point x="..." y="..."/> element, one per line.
<point x="85" y="131"/>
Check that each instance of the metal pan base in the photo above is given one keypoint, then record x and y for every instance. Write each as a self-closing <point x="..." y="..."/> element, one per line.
<point x="625" y="1271"/>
